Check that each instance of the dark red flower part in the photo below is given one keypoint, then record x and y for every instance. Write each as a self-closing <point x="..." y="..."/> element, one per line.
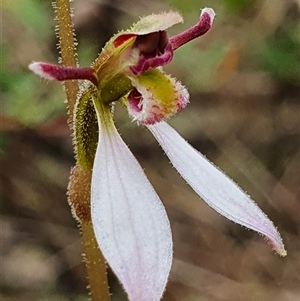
<point x="122" y="39"/>
<point x="152" y="60"/>
<point x="62" y="73"/>
<point x="157" y="50"/>
<point x="152" y="42"/>
<point x="134" y="100"/>
<point x="203" y="25"/>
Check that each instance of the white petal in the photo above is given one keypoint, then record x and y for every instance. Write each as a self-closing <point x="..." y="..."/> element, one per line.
<point x="130" y="222"/>
<point x="213" y="186"/>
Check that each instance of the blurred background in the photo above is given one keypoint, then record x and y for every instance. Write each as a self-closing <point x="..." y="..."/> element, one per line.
<point x="243" y="77"/>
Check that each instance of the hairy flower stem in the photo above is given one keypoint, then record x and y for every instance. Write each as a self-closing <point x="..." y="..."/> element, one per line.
<point x="95" y="263"/>
<point x="67" y="48"/>
<point x="94" y="260"/>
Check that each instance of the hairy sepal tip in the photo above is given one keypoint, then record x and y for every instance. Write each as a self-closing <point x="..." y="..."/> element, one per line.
<point x="210" y="12"/>
<point x="277" y="245"/>
<point x="282" y="252"/>
<point x="38" y="69"/>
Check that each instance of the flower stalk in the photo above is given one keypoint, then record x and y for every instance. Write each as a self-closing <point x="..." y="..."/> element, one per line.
<point x="66" y="38"/>
<point x="79" y="195"/>
<point x="94" y="261"/>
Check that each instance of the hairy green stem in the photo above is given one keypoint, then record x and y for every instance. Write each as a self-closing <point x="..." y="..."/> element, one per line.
<point x="94" y="260"/>
<point x="95" y="263"/>
<point x="67" y="47"/>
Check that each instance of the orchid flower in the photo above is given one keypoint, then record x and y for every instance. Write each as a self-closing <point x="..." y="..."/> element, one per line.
<point x="130" y="223"/>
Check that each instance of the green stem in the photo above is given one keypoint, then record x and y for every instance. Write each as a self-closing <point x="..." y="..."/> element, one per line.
<point x="67" y="48"/>
<point x="95" y="264"/>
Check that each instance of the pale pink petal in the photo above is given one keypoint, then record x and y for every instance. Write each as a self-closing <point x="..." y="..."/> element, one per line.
<point x="213" y="186"/>
<point x="129" y="220"/>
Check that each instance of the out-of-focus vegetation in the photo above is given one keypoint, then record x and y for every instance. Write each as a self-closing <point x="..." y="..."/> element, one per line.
<point x="243" y="77"/>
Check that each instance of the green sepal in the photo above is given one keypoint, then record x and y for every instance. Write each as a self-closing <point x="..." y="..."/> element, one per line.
<point x="115" y="88"/>
<point x="86" y="128"/>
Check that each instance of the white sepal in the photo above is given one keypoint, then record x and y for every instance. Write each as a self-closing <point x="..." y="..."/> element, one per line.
<point x="213" y="186"/>
<point x="130" y="223"/>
